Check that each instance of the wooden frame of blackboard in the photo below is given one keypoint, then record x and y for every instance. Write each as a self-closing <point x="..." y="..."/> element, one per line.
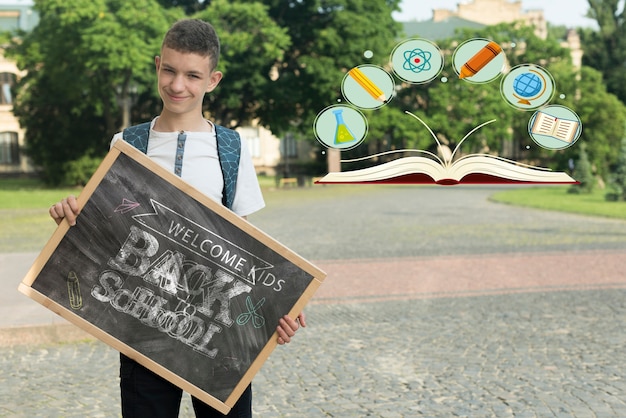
<point x="43" y="282"/>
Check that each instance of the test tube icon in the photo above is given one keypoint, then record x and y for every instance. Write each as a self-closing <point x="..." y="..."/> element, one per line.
<point x="73" y="290"/>
<point x="342" y="132"/>
<point x="479" y="60"/>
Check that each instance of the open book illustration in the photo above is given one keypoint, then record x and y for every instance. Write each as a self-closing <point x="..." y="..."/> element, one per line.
<point x="430" y="169"/>
<point x="558" y="128"/>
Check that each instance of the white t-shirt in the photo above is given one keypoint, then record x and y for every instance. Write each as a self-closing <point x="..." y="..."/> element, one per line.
<point x="201" y="166"/>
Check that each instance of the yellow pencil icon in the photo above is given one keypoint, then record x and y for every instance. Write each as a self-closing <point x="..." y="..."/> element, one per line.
<point x="367" y="84"/>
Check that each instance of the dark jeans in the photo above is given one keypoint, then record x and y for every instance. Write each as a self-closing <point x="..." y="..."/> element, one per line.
<point x="146" y="394"/>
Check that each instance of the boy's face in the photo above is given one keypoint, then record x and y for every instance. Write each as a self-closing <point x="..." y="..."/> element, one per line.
<point x="183" y="79"/>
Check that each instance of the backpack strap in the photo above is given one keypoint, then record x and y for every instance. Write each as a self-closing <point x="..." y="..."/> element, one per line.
<point x="137" y="136"/>
<point x="228" y="151"/>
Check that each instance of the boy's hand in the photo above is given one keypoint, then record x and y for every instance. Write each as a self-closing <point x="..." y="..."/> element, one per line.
<point x="66" y="208"/>
<point x="287" y="327"/>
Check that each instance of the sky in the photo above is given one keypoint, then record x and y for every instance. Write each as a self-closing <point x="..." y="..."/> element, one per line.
<point x="558" y="12"/>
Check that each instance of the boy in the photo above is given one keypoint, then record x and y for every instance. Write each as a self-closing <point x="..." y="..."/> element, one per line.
<point x="183" y="141"/>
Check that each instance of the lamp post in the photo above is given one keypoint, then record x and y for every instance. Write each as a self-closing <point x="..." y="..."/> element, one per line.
<point x="126" y="98"/>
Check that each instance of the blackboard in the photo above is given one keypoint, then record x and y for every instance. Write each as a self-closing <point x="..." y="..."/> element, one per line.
<point x="171" y="278"/>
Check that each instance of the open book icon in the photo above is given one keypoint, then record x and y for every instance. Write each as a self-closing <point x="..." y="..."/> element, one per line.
<point x="469" y="169"/>
<point x="554" y="127"/>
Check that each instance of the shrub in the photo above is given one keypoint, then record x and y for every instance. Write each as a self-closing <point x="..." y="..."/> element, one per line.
<point x="583" y="173"/>
<point x="617" y="178"/>
<point x="79" y="171"/>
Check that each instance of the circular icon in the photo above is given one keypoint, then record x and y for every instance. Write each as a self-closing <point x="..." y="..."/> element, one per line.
<point x="417" y="61"/>
<point x="339" y="126"/>
<point x="555" y="127"/>
<point x="478" y="60"/>
<point x="527" y="87"/>
<point x="368" y="86"/>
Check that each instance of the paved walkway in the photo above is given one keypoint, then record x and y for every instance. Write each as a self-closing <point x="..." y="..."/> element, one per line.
<point x="448" y="305"/>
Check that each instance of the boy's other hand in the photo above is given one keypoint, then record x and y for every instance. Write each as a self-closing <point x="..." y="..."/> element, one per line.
<point x="66" y="208"/>
<point x="287" y="327"/>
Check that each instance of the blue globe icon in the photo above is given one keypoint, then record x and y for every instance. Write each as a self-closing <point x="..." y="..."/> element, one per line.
<point x="527" y="84"/>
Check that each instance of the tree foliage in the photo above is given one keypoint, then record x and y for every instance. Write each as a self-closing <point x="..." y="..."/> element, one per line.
<point x="328" y="37"/>
<point x="605" y="49"/>
<point x="602" y="114"/>
<point x="81" y="60"/>
<point x="282" y="60"/>
<point x="188" y="6"/>
<point x="453" y="107"/>
<point x="252" y="45"/>
<point x="603" y="80"/>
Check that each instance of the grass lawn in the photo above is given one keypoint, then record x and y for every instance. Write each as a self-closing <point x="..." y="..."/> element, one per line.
<point x="24" y="221"/>
<point x="26" y="226"/>
<point x="30" y="194"/>
<point x="557" y="198"/>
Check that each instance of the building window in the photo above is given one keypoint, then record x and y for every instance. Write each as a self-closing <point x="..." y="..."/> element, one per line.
<point x="288" y="146"/>
<point x="9" y="148"/>
<point x="9" y="20"/>
<point x="251" y="136"/>
<point x="7" y="80"/>
<point x="254" y="145"/>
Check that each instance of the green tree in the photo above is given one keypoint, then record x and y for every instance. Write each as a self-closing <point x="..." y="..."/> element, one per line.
<point x="87" y="60"/>
<point x="324" y="40"/>
<point x="605" y="49"/>
<point x="455" y="107"/>
<point x="82" y="62"/>
<point x="252" y="47"/>
<point x="189" y="6"/>
<point x="328" y="37"/>
<point x="390" y="128"/>
<point x="602" y="114"/>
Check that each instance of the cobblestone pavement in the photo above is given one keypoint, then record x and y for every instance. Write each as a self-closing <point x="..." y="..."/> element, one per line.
<point x="510" y="313"/>
<point x="556" y="354"/>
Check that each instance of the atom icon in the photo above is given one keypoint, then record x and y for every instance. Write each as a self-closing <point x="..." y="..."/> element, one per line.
<point x="417" y="60"/>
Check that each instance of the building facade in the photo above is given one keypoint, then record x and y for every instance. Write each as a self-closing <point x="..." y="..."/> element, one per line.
<point x="14" y="15"/>
<point x="481" y="13"/>
<point x="492" y="12"/>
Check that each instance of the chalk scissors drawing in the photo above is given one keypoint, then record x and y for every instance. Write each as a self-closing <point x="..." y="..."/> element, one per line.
<point x="257" y="320"/>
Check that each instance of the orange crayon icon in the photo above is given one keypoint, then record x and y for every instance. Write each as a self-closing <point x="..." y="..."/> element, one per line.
<point x="480" y="59"/>
<point x="365" y="82"/>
